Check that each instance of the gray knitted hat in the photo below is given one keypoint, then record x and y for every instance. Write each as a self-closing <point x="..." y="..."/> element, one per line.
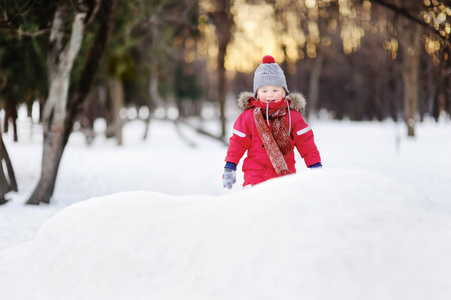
<point x="269" y="74"/>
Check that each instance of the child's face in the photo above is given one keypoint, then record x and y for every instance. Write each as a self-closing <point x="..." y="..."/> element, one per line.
<point x="270" y="94"/>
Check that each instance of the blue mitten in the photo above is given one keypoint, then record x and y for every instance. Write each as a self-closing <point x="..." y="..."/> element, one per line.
<point x="229" y="176"/>
<point x="317" y="165"/>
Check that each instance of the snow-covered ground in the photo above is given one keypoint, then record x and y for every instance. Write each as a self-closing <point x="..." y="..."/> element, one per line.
<point x="374" y="223"/>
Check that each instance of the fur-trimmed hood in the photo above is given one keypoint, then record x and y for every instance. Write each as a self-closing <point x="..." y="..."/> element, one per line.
<point x="297" y="101"/>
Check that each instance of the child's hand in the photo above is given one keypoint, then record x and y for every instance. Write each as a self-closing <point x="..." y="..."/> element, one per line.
<point x="228" y="178"/>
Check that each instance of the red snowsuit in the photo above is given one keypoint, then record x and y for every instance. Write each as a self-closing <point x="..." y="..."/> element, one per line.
<point x="257" y="166"/>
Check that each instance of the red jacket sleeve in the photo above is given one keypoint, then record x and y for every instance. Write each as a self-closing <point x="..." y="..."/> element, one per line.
<point x="240" y="141"/>
<point x="304" y="141"/>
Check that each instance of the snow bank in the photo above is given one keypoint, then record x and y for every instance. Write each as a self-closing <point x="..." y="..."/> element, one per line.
<point x="324" y="234"/>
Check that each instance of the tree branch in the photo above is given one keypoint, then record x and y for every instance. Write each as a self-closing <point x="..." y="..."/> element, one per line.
<point x="408" y="15"/>
<point x="20" y="11"/>
<point x="8" y="26"/>
<point x="20" y="33"/>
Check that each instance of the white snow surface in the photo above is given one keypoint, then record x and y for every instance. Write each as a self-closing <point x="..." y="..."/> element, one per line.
<point x="151" y="220"/>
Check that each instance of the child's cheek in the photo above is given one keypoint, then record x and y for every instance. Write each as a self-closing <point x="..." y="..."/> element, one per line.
<point x="279" y="98"/>
<point x="263" y="98"/>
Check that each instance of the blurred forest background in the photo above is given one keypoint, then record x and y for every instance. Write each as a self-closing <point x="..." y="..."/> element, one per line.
<point x="183" y="60"/>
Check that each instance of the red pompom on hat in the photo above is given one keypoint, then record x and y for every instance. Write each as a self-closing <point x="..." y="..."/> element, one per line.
<point x="268" y="59"/>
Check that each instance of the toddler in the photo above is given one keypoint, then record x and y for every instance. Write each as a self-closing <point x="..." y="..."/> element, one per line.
<point x="269" y="128"/>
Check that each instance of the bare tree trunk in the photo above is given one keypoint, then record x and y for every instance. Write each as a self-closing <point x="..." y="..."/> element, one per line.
<point x="5" y="184"/>
<point x="155" y="96"/>
<point x="92" y="64"/>
<point x="441" y="88"/>
<point x="117" y="95"/>
<point x="410" y="44"/>
<point x="60" y="61"/>
<point x="58" y="118"/>
<point x="222" y="18"/>
<point x="315" y="77"/>
<point x="222" y="92"/>
<point x="446" y="105"/>
<point x="10" y="116"/>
